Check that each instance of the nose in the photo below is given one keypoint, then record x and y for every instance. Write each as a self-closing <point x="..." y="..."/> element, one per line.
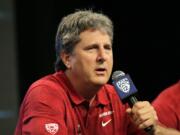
<point x="101" y="56"/>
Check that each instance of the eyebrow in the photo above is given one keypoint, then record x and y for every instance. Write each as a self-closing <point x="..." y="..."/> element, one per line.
<point x="96" y="45"/>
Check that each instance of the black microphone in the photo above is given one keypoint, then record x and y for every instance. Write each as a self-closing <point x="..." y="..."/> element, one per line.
<point x="127" y="91"/>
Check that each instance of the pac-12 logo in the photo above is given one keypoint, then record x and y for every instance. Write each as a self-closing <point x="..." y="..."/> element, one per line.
<point x="123" y="85"/>
<point x="52" y="128"/>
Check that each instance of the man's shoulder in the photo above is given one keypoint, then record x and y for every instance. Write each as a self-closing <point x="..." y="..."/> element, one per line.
<point x="51" y="80"/>
<point x="46" y="90"/>
<point x="172" y="90"/>
<point x="49" y="84"/>
<point x="168" y="96"/>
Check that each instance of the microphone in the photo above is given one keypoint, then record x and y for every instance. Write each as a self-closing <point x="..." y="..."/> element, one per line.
<point x="127" y="91"/>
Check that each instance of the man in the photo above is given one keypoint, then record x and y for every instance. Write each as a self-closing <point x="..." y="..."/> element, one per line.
<point x="168" y="109"/>
<point x="76" y="99"/>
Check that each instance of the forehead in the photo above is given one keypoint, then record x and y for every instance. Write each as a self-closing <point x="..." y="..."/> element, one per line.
<point x="93" y="35"/>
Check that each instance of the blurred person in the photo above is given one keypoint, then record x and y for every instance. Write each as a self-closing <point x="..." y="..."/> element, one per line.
<point x="167" y="107"/>
<point x="76" y="99"/>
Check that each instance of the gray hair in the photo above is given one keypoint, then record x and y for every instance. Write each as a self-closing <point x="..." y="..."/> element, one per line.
<point x="72" y="25"/>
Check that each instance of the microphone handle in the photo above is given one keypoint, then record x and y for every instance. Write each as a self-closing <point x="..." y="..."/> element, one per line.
<point x="132" y="100"/>
<point x="149" y="130"/>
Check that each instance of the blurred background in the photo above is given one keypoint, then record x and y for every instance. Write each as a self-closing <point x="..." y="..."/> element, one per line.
<point x="146" y="45"/>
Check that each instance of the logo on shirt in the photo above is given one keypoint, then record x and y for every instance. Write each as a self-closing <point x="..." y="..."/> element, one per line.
<point x="52" y="128"/>
<point x="105" y="114"/>
<point x="105" y="123"/>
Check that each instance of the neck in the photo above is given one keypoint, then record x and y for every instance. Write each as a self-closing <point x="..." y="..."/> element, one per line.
<point x="87" y="91"/>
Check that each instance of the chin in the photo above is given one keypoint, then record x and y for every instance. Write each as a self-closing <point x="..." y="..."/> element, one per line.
<point x="101" y="82"/>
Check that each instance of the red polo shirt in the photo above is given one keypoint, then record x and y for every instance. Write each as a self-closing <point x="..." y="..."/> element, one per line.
<point x="52" y="107"/>
<point x="168" y="107"/>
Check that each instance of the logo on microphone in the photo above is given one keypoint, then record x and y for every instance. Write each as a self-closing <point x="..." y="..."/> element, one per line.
<point x="123" y="85"/>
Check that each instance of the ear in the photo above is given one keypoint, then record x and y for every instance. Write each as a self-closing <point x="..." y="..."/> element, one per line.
<point x="65" y="59"/>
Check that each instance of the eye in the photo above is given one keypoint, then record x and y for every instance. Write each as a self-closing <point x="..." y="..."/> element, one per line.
<point x="108" y="47"/>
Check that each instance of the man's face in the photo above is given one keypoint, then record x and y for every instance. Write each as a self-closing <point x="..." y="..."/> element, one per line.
<point x="92" y="58"/>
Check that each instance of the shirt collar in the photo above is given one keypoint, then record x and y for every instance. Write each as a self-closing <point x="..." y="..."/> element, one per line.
<point x="102" y="96"/>
<point x="72" y="94"/>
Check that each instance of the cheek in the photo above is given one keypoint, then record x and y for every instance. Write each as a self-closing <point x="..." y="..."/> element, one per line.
<point x="81" y="63"/>
<point x="87" y="64"/>
<point x="110" y="61"/>
<point x="110" y="65"/>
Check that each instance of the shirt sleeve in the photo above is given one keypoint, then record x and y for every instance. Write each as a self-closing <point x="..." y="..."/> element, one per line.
<point x="44" y="113"/>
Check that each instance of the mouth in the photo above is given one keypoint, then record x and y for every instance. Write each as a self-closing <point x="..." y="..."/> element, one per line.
<point x="100" y="71"/>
